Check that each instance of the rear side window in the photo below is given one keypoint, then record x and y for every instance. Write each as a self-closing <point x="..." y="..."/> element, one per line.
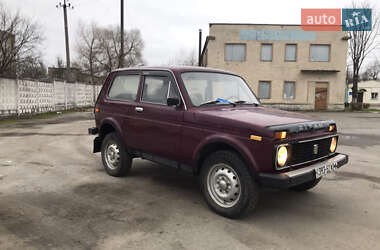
<point x="157" y="89"/>
<point x="124" y="87"/>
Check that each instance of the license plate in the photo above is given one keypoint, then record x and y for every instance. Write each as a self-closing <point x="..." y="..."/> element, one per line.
<point x="325" y="170"/>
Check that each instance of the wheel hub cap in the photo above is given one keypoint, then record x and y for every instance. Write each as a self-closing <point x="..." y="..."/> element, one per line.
<point x="112" y="156"/>
<point x="223" y="185"/>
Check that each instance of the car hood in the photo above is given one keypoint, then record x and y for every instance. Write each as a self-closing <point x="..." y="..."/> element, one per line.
<point x="254" y="117"/>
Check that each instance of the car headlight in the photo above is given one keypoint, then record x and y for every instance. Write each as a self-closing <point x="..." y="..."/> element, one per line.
<point x="282" y="156"/>
<point x="333" y="144"/>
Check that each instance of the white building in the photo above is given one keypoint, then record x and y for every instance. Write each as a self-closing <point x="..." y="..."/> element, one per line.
<point x="368" y="92"/>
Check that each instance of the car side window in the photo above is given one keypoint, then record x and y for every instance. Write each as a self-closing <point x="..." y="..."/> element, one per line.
<point x="173" y="90"/>
<point x="157" y="89"/>
<point x="124" y="87"/>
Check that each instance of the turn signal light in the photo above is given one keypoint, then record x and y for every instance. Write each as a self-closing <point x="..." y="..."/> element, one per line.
<point x="280" y="135"/>
<point x="97" y="110"/>
<point x="331" y="128"/>
<point x="256" y="138"/>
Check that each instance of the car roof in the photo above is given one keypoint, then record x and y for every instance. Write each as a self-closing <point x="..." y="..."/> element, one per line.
<point x="177" y="69"/>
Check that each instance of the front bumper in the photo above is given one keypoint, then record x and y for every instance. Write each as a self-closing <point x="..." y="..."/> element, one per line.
<point x="302" y="175"/>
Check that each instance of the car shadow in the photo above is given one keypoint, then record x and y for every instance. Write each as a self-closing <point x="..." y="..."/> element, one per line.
<point x="272" y="202"/>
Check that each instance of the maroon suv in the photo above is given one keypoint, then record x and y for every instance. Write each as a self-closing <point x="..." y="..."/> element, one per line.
<point x="208" y="122"/>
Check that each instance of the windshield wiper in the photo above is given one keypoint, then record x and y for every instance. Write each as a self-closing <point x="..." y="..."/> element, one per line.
<point x="245" y="102"/>
<point x="209" y="103"/>
<point x="218" y="100"/>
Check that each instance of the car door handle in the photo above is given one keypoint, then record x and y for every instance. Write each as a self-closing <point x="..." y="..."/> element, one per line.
<point x="139" y="109"/>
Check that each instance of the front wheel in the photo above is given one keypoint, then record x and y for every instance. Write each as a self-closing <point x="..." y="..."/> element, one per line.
<point x="116" y="160"/>
<point x="227" y="185"/>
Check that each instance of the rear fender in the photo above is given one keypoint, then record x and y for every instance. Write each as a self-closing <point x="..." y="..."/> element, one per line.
<point x="113" y="123"/>
<point x="102" y="133"/>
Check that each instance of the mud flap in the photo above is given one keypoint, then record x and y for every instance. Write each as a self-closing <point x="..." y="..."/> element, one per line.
<point x="97" y="144"/>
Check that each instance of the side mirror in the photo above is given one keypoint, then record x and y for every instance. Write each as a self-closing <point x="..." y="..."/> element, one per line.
<point x="172" y="101"/>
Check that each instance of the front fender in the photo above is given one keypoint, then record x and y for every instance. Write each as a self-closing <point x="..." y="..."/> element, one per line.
<point x="232" y="141"/>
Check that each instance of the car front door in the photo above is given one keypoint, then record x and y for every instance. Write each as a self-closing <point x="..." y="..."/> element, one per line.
<point x="157" y="126"/>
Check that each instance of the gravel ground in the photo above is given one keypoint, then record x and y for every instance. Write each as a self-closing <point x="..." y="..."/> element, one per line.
<point x="54" y="194"/>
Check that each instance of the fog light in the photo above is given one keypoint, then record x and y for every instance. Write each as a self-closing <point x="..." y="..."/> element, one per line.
<point x="333" y="145"/>
<point x="282" y="156"/>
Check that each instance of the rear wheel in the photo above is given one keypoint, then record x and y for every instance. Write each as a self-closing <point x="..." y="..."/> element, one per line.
<point x="306" y="186"/>
<point x="116" y="160"/>
<point x="227" y="186"/>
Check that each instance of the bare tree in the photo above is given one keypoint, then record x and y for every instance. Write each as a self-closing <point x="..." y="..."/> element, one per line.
<point x="19" y="41"/>
<point x="184" y="58"/>
<point x="59" y="61"/>
<point x="190" y="59"/>
<point x="134" y="46"/>
<point x="361" y="44"/>
<point x="372" y="71"/>
<point x="32" y="68"/>
<point x="88" y="50"/>
<point x="109" y="47"/>
<point x="99" y="49"/>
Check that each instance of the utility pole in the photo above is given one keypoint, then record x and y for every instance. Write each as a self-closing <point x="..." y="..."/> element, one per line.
<point x="66" y="4"/>
<point x="200" y="48"/>
<point x="121" y="58"/>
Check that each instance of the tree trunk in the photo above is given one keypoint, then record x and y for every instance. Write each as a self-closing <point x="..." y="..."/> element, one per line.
<point x="355" y="79"/>
<point x="355" y="89"/>
<point x="93" y="83"/>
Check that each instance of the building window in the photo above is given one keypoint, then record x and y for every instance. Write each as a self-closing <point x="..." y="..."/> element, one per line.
<point x="290" y="52"/>
<point x="289" y="90"/>
<point x="319" y="53"/>
<point x="235" y="52"/>
<point x="266" y="52"/>
<point x="264" y="90"/>
<point x="374" y="95"/>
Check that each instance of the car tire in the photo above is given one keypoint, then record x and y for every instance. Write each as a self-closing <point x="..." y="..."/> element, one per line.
<point x="227" y="185"/>
<point x="116" y="160"/>
<point x="306" y="186"/>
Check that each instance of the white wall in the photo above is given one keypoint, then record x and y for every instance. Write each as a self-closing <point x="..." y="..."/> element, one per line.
<point x="27" y="96"/>
<point x="8" y="95"/>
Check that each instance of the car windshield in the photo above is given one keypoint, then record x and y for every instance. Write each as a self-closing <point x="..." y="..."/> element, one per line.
<point x="208" y="88"/>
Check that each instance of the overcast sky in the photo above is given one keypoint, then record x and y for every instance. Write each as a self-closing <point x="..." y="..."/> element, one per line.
<point x="168" y="27"/>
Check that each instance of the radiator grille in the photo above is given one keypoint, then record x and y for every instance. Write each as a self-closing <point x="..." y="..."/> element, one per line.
<point x="302" y="152"/>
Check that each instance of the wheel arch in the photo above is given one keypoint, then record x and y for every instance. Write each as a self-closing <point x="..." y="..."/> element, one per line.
<point x="109" y="126"/>
<point x="106" y="127"/>
<point x="217" y="144"/>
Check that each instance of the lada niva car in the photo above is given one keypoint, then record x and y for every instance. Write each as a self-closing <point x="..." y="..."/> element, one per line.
<point x="210" y="123"/>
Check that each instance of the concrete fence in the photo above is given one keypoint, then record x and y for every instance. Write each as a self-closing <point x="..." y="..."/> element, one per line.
<point x="19" y="96"/>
